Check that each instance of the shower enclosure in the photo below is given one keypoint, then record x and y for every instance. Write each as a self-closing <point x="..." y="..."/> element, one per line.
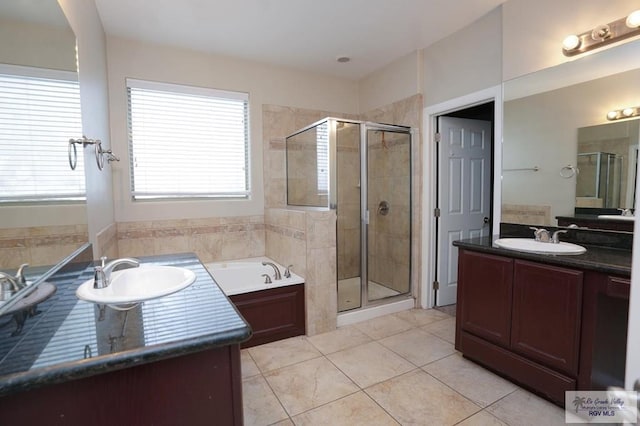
<point x="600" y="178"/>
<point x="363" y="171"/>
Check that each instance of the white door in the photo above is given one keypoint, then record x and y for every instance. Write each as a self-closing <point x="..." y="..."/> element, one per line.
<point x="464" y="194"/>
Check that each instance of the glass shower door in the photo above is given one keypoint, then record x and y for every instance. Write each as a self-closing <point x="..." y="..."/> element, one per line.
<point x="388" y="197"/>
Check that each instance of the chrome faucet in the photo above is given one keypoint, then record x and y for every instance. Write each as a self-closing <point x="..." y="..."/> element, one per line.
<point x="276" y="275"/>
<point x="102" y="273"/>
<point x="541" y="234"/>
<point x="626" y="212"/>
<point x="555" y="238"/>
<point x="8" y="290"/>
<point x="287" y="272"/>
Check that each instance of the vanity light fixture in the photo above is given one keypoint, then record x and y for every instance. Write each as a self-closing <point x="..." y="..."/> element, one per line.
<point x="619" y="114"/>
<point x="602" y="35"/>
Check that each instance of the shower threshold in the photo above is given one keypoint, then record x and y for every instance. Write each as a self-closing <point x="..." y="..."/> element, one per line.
<point x="349" y="293"/>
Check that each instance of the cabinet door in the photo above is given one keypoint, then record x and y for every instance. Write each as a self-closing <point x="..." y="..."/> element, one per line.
<point x="546" y="314"/>
<point x="484" y="295"/>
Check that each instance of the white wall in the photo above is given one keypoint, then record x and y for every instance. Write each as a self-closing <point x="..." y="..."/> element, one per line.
<point x="398" y="80"/>
<point x="533" y="30"/>
<point x="465" y="62"/>
<point x="37" y="45"/>
<point x="94" y="97"/>
<point x="265" y="84"/>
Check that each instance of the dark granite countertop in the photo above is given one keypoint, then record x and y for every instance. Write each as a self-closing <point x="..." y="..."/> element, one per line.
<point x="600" y="259"/>
<point x="71" y="339"/>
<point x="590" y="217"/>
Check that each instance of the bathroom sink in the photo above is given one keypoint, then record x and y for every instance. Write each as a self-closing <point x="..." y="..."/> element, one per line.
<point x="615" y="217"/>
<point x="530" y="245"/>
<point x="129" y="287"/>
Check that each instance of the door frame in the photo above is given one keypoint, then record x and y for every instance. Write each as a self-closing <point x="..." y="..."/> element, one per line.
<point x="429" y="178"/>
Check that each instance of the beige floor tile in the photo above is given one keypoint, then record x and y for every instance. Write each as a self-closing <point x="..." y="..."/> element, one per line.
<point x="418" y="398"/>
<point x="309" y="384"/>
<point x="286" y="422"/>
<point x="474" y="382"/>
<point x="370" y="363"/>
<point x="337" y="340"/>
<point x="261" y="407"/>
<point x="249" y="368"/>
<point x="282" y="353"/>
<point x="444" y="329"/>
<point x="354" y="410"/>
<point x="418" y="347"/>
<point x="384" y="326"/>
<point x="420" y="317"/>
<point x="482" y="419"/>
<point x="523" y="408"/>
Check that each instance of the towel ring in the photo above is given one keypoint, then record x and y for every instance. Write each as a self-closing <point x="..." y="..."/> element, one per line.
<point x="569" y="171"/>
<point x="99" y="152"/>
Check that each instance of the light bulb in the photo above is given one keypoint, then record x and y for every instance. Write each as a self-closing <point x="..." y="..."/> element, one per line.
<point x="628" y="112"/>
<point x="633" y="20"/>
<point x="571" y="42"/>
<point x="611" y="115"/>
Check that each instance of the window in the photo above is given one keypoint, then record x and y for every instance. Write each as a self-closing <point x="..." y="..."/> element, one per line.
<point x="322" y="157"/>
<point x="39" y="113"/>
<point x="187" y="142"/>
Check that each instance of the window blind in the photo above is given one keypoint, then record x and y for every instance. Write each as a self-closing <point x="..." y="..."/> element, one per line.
<point x="187" y="141"/>
<point x="322" y="157"/>
<point x="38" y="116"/>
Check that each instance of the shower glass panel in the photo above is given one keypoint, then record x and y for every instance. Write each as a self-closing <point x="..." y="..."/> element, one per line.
<point x="308" y="167"/>
<point x="363" y="171"/>
<point x="389" y="204"/>
<point x="348" y="211"/>
<point x="600" y="178"/>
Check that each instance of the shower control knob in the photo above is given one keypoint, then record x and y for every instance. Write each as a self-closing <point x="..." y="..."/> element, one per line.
<point x="383" y="208"/>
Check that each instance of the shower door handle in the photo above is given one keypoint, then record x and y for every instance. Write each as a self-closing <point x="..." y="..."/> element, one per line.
<point x="383" y="208"/>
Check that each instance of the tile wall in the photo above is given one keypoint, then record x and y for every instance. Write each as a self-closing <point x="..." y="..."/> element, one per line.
<point x="212" y="239"/>
<point x="408" y="112"/>
<point x="529" y="214"/>
<point x="306" y="239"/>
<point x="39" y="245"/>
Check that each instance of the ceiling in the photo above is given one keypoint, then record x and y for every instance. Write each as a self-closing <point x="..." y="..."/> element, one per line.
<point x="303" y="34"/>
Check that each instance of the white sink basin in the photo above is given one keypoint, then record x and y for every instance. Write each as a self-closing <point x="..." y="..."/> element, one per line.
<point x="530" y="245"/>
<point x="616" y="217"/>
<point x="128" y="287"/>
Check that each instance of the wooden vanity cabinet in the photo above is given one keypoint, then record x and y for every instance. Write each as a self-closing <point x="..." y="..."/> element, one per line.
<point x="521" y="319"/>
<point x="546" y="314"/>
<point x="484" y="308"/>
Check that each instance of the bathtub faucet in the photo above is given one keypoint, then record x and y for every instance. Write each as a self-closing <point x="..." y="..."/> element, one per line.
<point x="277" y="275"/>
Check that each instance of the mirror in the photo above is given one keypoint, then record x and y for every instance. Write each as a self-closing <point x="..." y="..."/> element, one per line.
<point x="544" y="166"/>
<point x="36" y="38"/>
<point x="607" y="163"/>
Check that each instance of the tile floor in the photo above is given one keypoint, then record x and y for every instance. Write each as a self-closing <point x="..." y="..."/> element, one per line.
<point x="397" y="369"/>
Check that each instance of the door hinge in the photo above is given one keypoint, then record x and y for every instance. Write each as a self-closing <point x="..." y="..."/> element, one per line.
<point x="436" y="212"/>
<point x="436" y="285"/>
<point x="436" y="137"/>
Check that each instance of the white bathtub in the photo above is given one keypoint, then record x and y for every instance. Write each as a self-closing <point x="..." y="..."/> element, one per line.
<point x="245" y="275"/>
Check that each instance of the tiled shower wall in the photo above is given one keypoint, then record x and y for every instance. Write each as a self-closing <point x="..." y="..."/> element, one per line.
<point x="348" y="221"/>
<point x="389" y="236"/>
<point x="408" y="112"/>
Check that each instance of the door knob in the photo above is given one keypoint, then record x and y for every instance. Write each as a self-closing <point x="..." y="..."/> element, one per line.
<point x="485" y="220"/>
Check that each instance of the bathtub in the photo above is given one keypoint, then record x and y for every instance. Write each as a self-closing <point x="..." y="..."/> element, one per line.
<point x="274" y="311"/>
<point x="245" y="275"/>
